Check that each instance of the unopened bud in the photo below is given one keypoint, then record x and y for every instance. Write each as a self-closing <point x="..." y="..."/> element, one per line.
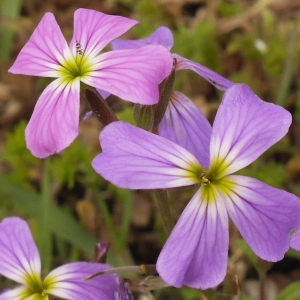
<point x="101" y="250"/>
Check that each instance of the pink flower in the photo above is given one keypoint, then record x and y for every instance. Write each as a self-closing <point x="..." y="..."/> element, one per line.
<point x="132" y="74"/>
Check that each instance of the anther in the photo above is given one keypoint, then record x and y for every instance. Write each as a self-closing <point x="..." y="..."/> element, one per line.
<point x="203" y="179"/>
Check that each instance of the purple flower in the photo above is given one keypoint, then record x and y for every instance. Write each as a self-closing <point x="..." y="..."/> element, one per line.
<point x="133" y="75"/>
<point x="181" y="114"/>
<point x="20" y="261"/>
<point x="196" y="252"/>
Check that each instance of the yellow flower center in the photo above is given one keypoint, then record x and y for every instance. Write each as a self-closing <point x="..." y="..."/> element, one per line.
<point x="73" y="67"/>
<point x="213" y="181"/>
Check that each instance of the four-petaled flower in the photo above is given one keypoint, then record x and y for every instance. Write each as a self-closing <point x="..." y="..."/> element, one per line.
<point x="196" y="252"/>
<point x="133" y="75"/>
<point x="20" y="261"/>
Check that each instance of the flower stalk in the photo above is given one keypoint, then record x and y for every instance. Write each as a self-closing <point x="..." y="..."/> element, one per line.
<point x="163" y="206"/>
<point x="99" y="107"/>
<point x="148" y="117"/>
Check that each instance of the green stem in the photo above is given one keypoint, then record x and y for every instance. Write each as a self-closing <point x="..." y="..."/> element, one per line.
<point x="108" y="221"/>
<point x="289" y="69"/>
<point x="163" y="206"/>
<point x="45" y="243"/>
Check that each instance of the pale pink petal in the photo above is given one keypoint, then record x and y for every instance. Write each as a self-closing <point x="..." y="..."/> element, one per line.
<point x="68" y="282"/>
<point x="54" y="122"/>
<point x="19" y="259"/>
<point x="185" y="125"/>
<point x="215" y="79"/>
<point x="244" y="128"/>
<point x="133" y="75"/>
<point x="264" y="215"/>
<point x="93" y="30"/>
<point x="133" y="158"/>
<point x="45" y="51"/>
<point x="196" y="252"/>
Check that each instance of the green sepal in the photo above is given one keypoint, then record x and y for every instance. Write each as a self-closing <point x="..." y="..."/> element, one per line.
<point x="165" y="92"/>
<point x="149" y="116"/>
<point x="144" y="116"/>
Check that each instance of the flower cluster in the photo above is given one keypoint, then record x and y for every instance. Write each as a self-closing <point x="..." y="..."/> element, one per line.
<point x="187" y="151"/>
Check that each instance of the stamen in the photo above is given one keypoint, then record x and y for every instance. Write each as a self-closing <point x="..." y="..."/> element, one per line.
<point x="203" y="179"/>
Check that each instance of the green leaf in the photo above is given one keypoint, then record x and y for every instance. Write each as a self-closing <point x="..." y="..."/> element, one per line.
<point x="61" y="224"/>
<point x="247" y="251"/>
<point x="292" y="292"/>
<point x="74" y="164"/>
<point x="22" y="163"/>
<point x="10" y="10"/>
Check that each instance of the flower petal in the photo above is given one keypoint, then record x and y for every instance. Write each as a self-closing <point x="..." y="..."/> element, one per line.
<point x="19" y="259"/>
<point x="185" y="125"/>
<point x="123" y="292"/>
<point x="295" y="240"/>
<point x="19" y="293"/>
<point x="195" y="254"/>
<point x="264" y="215"/>
<point x="161" y="36"/>
<point x="45" y="51"/>
<point x="93" y="30"/>
<point x="136" y="159"/>
<point x="133" y="75"/>
<point x="244" y="128"/>
<point x="103" y="94"/>
<point x="215" y="79"/>
<point x="68" y="282"/>
<point x="54" y="122"/>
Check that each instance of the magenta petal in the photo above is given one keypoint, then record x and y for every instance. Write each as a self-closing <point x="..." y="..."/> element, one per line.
<point x="93" y="30"/>
<point x="162" y="36"/>
<point x="195" y="254"/>
<point x="185" y="125"/>
<point x="44" y="52"/>
<point x="264" y="215"/>
<point x="68" y="282"/>
<point x="133" y="75"/>
<point x="19" y="257"/>
<point x="215" y="79"/>
<point x="133" y="158"/>
<point x="54" y="122"/>
<point x="245" y="127"/>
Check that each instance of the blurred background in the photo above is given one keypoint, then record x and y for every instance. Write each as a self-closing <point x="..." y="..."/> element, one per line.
<point x="70" y="208"/>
